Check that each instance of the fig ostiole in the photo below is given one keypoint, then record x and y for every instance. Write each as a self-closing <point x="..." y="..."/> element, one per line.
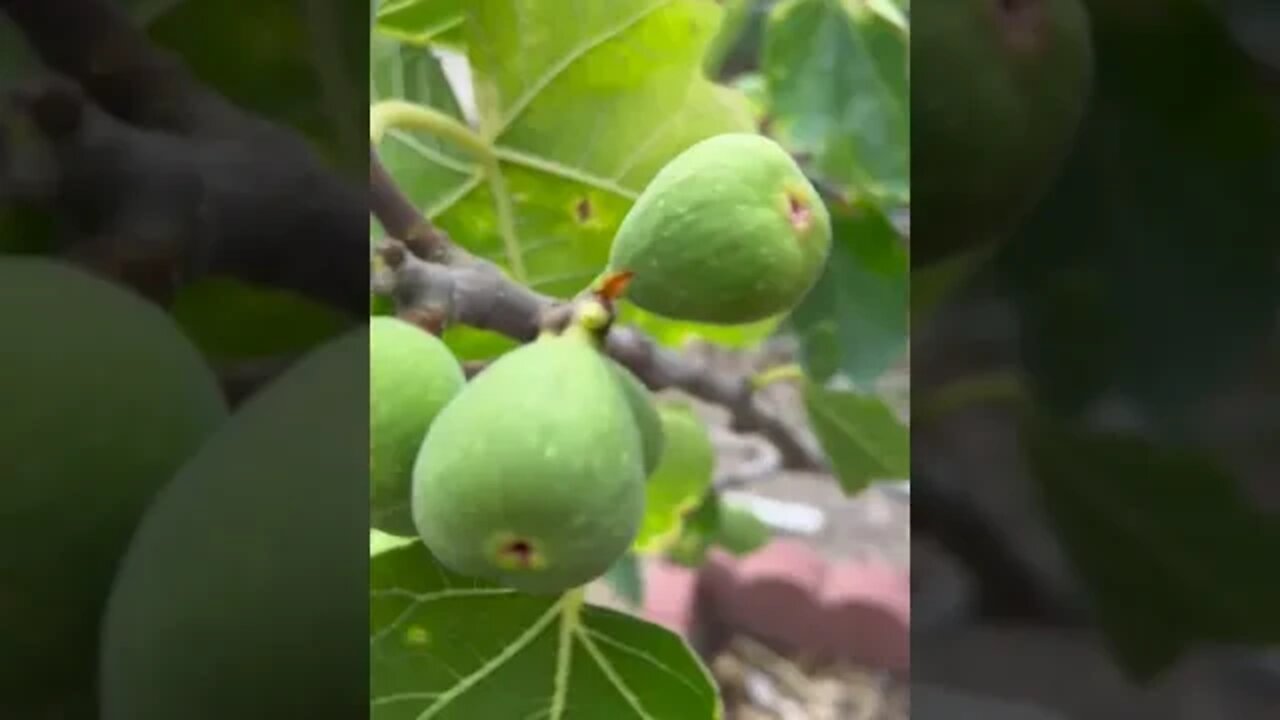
<point x="728" y="232"/>
<point x="533" y="476"/>
<point x="412" y="376"/>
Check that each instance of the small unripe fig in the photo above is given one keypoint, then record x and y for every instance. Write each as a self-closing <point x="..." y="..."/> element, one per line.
<point x="412" y="376"/>
<point x="998" y="91"/>
<point x="533" y="476"/>
<point x="677" y="486"/>
<point x="730" y="231"/>
<point x="103" y="400"/>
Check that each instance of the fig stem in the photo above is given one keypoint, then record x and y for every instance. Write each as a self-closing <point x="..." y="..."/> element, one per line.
<point x="388" y="114"/>
<point x="1002" y="386"/>
<point x="780" y="373"/>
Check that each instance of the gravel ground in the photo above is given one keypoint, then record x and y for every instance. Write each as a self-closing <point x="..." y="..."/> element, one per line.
<point x="759" y="684"/>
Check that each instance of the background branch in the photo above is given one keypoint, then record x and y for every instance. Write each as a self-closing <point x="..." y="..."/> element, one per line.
<point x="426" y="274"/>
<point x="157" y="180"/>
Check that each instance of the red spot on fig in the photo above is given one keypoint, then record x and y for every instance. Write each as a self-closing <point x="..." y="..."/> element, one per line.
<point x="799" y="213"/>
<point x="1024" y="21"/>
<point x="583" y="210"/>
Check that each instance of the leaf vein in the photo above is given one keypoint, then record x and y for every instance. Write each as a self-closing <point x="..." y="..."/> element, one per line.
<point x="612" y="675"/>
<point x="520" y="643"/>
<point x="575" y="54"/>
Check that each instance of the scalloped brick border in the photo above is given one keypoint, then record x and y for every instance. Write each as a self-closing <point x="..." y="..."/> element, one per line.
<point x="787" y="595"/>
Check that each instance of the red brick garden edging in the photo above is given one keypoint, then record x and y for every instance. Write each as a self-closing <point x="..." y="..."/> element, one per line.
<point x="788" y="596"/>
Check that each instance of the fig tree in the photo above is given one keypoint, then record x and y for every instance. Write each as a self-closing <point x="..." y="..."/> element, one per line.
<point x="244" y="590"/>
<point x="998" y="90"/>
<point x="533" y="476"/>
<point x="730" y="231"/>
<point x="412" y="375"/>
<point x="104" y="398"/>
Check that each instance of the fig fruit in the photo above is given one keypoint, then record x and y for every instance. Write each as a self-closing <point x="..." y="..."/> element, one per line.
<point x="533" y="477"/>
<point x="681" y="479"/>
<point x="412" y="376"/>
<point x="999" y="88"/>
<point x="244" y="593"/>
<point x="648" y="421"/>
<point x="104" y="399"/>
<point x="730" y="231"/>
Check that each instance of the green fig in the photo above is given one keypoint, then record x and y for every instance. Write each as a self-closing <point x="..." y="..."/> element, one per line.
<point x="648" y="422"/>
<point x="244" y="593"/>
<point x="999" y="88"/>
<point x="412" y="376"/>
<point x="681" y="480"/>
<point x="533" y="476"/>
<point x="104" y="399"/>
<point x="728" y="232"/>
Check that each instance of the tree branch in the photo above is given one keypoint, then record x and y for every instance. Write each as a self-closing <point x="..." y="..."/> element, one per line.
<point x="430" y="276"/>
<point x="158" y="180"/>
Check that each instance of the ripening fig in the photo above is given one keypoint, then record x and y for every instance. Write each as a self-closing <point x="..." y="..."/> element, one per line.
<point x="533" y="476"/>
<point x="244" y="590"/>
<point x="103" y="400"/>
<point x="730" y="231"/>
<point x="412" y="376"/>
<point x="998" y="91"/>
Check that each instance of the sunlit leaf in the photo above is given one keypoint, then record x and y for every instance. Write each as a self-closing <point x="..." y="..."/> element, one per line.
<point x="423" y="22"/>
<point x="580" y="119"/>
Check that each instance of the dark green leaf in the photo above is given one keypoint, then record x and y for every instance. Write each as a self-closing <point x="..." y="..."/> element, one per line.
<point x="231" y="320"/>
<point x="863" y="437"/>
<point x="854" y="321"/>
<point x="289" y="61"/>
<point x="698" y="533"/>
<point x="1171" y="552"/>
<point x="1145" y="271"/>
<point x="837" y="75"/>
<point x="626" y="579"/>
